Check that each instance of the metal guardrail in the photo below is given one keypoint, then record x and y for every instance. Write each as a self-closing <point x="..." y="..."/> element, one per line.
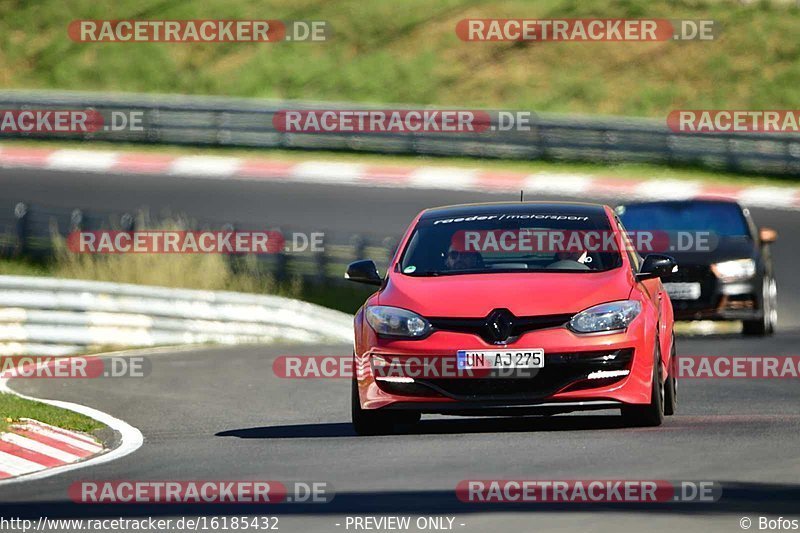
<point x="50" y="316"/>
<point x="216" y="121"/>
<point x="28" y="230"/>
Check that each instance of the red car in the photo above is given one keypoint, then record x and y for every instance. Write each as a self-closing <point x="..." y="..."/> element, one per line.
<point x="485" y="310"/>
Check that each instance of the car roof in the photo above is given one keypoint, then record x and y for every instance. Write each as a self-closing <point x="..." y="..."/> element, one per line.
<point x="720" y="200"/>
<point x="488" y="208"/>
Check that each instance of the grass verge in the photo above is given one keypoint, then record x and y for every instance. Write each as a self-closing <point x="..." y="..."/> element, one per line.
<point x="408" y="52"/>
<point x="12" y="408"/>
<point x="179" y="272"/>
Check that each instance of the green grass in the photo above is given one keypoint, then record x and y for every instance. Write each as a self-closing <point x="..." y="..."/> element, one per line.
<point x="177" y="271"/>
<point x="191" y="271"/>
<point x="407" y="52"/>
<point x="12" y="408"/>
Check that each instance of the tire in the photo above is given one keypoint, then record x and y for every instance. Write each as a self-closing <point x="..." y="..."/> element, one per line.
<point x="766" y="324"/>
<point x="671" y="384"/>
<point x="377" y="422"/>
<point x="651" y="414"/>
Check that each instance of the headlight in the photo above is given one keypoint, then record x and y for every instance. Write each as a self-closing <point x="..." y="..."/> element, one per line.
<point x="396" y="322"/>
<point x="606" y="317"/>
<point x="736" y="270"/>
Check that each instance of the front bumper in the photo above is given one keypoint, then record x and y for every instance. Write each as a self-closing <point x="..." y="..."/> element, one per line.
<point x="569" y="380"/>
<point x="739" y="300"/>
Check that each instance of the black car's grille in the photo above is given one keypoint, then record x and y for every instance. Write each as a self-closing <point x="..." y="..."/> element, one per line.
<point x="709" y="299"/>
<point x="562" y="371"/>
<point x="516" y="325"/>
<point x="701" y="273"/>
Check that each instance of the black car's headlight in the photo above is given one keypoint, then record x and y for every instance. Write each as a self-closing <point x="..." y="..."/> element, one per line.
<point x="610" y="316"/>
<point x="395" y="322"/>
<point x="736" y="270"/>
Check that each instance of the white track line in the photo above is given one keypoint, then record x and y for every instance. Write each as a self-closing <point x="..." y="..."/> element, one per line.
<point x="205" y="166"/>
<point x="556" y="183"/>
<point x="447" y="178"/>
<point x="668" y="189"/>
<point x="322" y="172"/>
<point x="87" y="160"/>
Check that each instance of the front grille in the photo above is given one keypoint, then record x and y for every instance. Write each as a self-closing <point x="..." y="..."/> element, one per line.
<point x="481" y="327"/>
<point x="701" y="273"/>
<point x="561" y="371"/>
<point x="738" y="302"/>
<point x="709" y="299"/>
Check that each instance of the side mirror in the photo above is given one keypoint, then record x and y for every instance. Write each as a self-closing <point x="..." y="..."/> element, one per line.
<point x="767" y="235"/>
<point x="363" y="272"/>
<point x="656" y="266"/>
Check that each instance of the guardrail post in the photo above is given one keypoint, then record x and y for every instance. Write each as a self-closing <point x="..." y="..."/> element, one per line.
<point x="127" y="222"/>
<point x="281" y="266"/>
<point x="152" y="129"/>
<point x="321" y="260"/>
<point x="390" y="245"/>
<point x="75" y="220"/>
<point x="730" y="160"/>
<point x="610" y="146"/>
<point x="232" y="258"/>
<point x="21" y="214"/>
<point x="359" y="244"/>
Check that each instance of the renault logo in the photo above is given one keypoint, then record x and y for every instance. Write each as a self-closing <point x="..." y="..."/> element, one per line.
<point x="499" y="325"/>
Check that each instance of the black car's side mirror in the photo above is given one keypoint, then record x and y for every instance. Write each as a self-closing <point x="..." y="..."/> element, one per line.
<point x="767" y="235"/>
<point x="363" y="272"/>
<point x="656" y="266"/>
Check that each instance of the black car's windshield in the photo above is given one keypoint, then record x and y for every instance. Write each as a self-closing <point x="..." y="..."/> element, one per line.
<point x="722" y="219"/>
<point x="511" y="242"/>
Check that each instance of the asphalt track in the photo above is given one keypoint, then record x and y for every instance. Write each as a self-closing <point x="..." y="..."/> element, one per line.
<point x="215" y="413"/>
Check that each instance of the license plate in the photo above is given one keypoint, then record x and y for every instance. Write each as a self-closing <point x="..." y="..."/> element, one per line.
<point x="476" y="359"/>
<point x="683" y="291"/>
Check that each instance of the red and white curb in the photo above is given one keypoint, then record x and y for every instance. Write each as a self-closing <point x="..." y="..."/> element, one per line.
<point x="48" y="451"/>
<point x="415" y="177"/>
<point x="32" y="446"/>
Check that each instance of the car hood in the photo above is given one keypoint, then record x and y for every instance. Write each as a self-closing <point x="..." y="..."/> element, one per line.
<point x="524" y="294"/>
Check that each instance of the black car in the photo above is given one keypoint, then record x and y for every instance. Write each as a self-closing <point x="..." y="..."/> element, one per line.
<point x="726" y="276"/>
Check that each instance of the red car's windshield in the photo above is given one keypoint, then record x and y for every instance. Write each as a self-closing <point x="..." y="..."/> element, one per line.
<point x="510" y="242"/>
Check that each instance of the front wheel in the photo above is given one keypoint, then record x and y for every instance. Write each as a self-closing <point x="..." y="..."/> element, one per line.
<point x="377" y="422"/>
<point x="671" y="384"/>
<point x="769" y="305"/>
<point x="651" y="414"/>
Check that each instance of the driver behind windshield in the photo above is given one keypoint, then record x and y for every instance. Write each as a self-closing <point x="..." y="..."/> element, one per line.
<point x="461" y="260"/>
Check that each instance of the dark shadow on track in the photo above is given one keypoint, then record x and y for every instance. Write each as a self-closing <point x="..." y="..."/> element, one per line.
<point x="737" y="498"/>
<point x="439" y="426"/>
